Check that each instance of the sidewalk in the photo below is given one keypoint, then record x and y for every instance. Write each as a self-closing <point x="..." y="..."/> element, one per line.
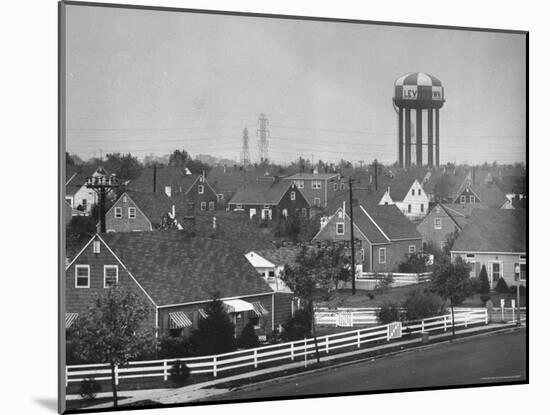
<point x="200" y="391"/>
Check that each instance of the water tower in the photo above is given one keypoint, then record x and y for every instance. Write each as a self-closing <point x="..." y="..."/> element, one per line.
<point x="418" y="92"/>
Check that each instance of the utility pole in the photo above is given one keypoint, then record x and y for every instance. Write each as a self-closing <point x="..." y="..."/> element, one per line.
<point x="102" y="185"/>
<point x="263" y="132"/>
<point x="376" y="175"/>
<point x="352" y="238"/>
<point x="155" y="178"/>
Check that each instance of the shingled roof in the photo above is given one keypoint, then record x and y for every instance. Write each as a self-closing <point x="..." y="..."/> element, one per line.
<point x="175" y="269"/>
<point x="154" y="205"/>
<point x="261" y="192"/>
<point x="494" y="230"/>
<point x="175" y="177"/>
<point x="280" y="256"/>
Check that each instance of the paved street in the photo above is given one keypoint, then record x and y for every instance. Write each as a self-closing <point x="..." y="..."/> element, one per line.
<point x="496" y="358"/>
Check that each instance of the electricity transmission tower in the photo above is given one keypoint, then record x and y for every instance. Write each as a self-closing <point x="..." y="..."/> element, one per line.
<point x="263" y="132"/>
<point x="245" y="152"/>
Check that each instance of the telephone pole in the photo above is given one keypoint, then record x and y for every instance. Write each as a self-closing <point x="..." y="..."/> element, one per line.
<point x="263" y="132"/>
<point x="352" y="238"/>
<point x="102" y="184"/>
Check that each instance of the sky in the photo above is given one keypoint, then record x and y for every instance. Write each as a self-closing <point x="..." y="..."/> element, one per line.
<point x="146" y="82"/>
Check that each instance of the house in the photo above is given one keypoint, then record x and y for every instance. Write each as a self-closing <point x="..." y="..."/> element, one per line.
<point x="178" y="183"/>
<point x="270" y="264"/>
<point x="317" y="188"/>
<point x="384" y="236"/>
<point x="515" y="189"/>
<point x="270" y="199"/>
<point x="496" y="238"/>
<point x="139" y="211"/>
<point x="409" y="196"/>
<point x="175" y="275"/>
<point x="77" y="195"/>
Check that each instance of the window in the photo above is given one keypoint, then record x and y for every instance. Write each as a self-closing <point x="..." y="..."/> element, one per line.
<point x="211" y="206"/>
<point x="110" y="275"/>
<point x="203" y="205"/>
<point x="285" y="213"/>
<point x="523" y="272"/>
<point x="96" y="247"/>
<point x="342" y="186"/>
<point x="462" y="199"/>
<point x="125" y="198"/>
<point x="201" y="189"/>
<point x="437" y="209"/>
<point x="419" y="192"/>
<point x="412" y="249"/>
<point x="69" y="201"/>
<point x="132" y="213"/>
<point x="238" y="207"/>
<point x="82" y="276"/>
<point x="271" y="273"/>
<point x="495" y="271"/>
<point x="382" y="256"/>
<point x="84" y="203"/>
<point x="335" y="186"/>
<point x="220" y="197"/>
<point x="413" y="192"/>
<point x="292" y="195"/>
<point x="409" y="208"/>
<point x="340" y="228"/>
<point x="118" y="212"/>
<point x="316" y="184"/>
<point x="472" y="199"/>
<point x="422" y="207"/>
<point x="437" y="223"/>
<point x="304" y="212"/>
<point x="299" y="184"/>
<point x="317" y="201"/>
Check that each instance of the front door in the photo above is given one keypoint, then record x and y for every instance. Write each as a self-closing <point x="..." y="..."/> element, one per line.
<point x="496" y="273"/>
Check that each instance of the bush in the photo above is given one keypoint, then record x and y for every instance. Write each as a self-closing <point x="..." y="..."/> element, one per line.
<point x="174" y="347"/>
<point x="514" y="290"/>
<point x="484" y="299"/>
<point x="248" y="338"/>
<point x="297" y="327"/>
<point x="371" y="296"/>
<point x="388" y="313"/>
<point x="483" y="281"/>
<point x="421" y="304"/>
<point x="414" y="263"/>
<point x="89" y="388"/>
<point x="502" y="287"/>
<point x="179" y="372"/>
<point x="385" y="281"/>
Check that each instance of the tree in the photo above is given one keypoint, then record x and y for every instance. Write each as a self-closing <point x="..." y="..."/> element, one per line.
<point x="388" y="313"/>
<point x="483" y="281"/>
<point x="248" y="338"/>
<point x="420" y="304"/>
<point x="216" y="333"/>
<point x="414" y="263"/>
<point x="125" y="166"/>
<point x="449" y="242"/>
<point x="178" y="158"/>
<point x="442" y="187"/>
<point x="451" y="280"/>
<point x="297" y="327"/>
<point x="112" y="331"/>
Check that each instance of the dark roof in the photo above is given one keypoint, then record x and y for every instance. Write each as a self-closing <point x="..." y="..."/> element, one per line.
<point x="494" y="230"/>
<point x="393" y="222"/>
<point x="264" y="192"/>
<point x="231" y="179"/>
<point x="174" y="268"/>
<point x="513" y="184"/>
<point x="312" y="176"/>
<point x="280" y="256"/>
<point x="490" y="195"/>
<point x="154" y="205"/>
<point x="175" y="177"/>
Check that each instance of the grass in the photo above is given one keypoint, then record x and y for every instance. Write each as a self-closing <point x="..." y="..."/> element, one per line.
<point x="475" y="301"/>
<point x="83" y="403"/>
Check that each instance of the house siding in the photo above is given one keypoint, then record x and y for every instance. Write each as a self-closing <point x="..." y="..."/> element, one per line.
<point x="125" y="224"/>
<point x="79" y="300"/>
<point x="436" y="236"/>
<point x="396" y="252"/>
<point x="324" y="193"/>
<point x="208" y="196"/>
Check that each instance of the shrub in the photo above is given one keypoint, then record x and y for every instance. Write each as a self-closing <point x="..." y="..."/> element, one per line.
<point x="174" y="347"/>
<point x="89" y="388"/>
<point x="484" y="298"/>
<point x="522" y="290"/>
<point x="414" y="263"/>
<point x="248" y="338"/>
<point x="385" y="281"/>
<point x="502" y="287"/>
<point x="389" y="312"/>
<point x="297" y="327"/>
<point x="421" y="304"/>
<point x="483" y="281"/>
<point x="370" y="295"/>
<point x="179" y="372"/>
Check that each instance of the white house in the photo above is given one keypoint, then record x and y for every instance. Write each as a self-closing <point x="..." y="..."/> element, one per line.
<point x="77" y="195"/>
<point x="270" y="264"/>
<point x="409" y="197"/>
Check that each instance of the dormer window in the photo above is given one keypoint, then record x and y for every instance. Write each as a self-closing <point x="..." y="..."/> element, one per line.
<point x="125" y="199"/>
<point x="96" y="247"/>
<point x="340" y="228"/>
<point x="201" y="189"/>
<point x="292" y="195"/>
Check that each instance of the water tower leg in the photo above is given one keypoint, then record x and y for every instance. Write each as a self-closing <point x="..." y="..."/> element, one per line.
<point x="400" y="138"/>
<point x="437" y="137"/>
<point x="407" y="137"/>
<point x="418" y="137"/>
<point x="430" y="138"/>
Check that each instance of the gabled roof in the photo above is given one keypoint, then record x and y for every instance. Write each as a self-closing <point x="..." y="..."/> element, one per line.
<point x="262" y="192"/>
<point x="76" y="178"/>
<point x="175" y="177"/>
<point x="494" y="230"/>
<point x="174" y="268"/>
<point x="154" y="205"/>
<point x="280" y="256"/>
<point x="312" y="176"/>
<point x="489" y="194"/>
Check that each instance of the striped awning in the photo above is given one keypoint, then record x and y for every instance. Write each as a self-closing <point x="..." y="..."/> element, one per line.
<point x="202" y="313"/>
<point x="259" y="309"/>
<point x="179" y="320"/>
<point x="238" y="306"/>
<point x="70" y="318"/>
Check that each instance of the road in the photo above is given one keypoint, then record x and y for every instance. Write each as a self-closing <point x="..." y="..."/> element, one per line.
<point x="477" y="360"/>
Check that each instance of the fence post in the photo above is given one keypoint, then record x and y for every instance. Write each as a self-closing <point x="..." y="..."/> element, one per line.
<point x="326" y="344"/>
<point x="358" y="339"/>
<point x="422" y="326"/>
<point x="466" y="316"/>
<point x="292" y="351"/>
<point x="445" y="322"/>
<point x="513" y="314"/>
<point x="66" y="376"/>
<point x="165" y="364"/>
<point x="215" y="367"/>
<point x="116" y="374"/>
<point x="387" y="332"/>
<point x="486" y="317"/>
<point x="305" y="352"/>
<point x="351" y="318"/>
<point x="255" y="358"/>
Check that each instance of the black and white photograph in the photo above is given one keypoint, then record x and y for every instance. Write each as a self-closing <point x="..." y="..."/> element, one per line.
<point x="261" y="207"/>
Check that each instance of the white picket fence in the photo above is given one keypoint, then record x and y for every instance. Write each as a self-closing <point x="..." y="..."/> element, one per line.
<point x="370" y="280"/>
<point x="290" y="351"/>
